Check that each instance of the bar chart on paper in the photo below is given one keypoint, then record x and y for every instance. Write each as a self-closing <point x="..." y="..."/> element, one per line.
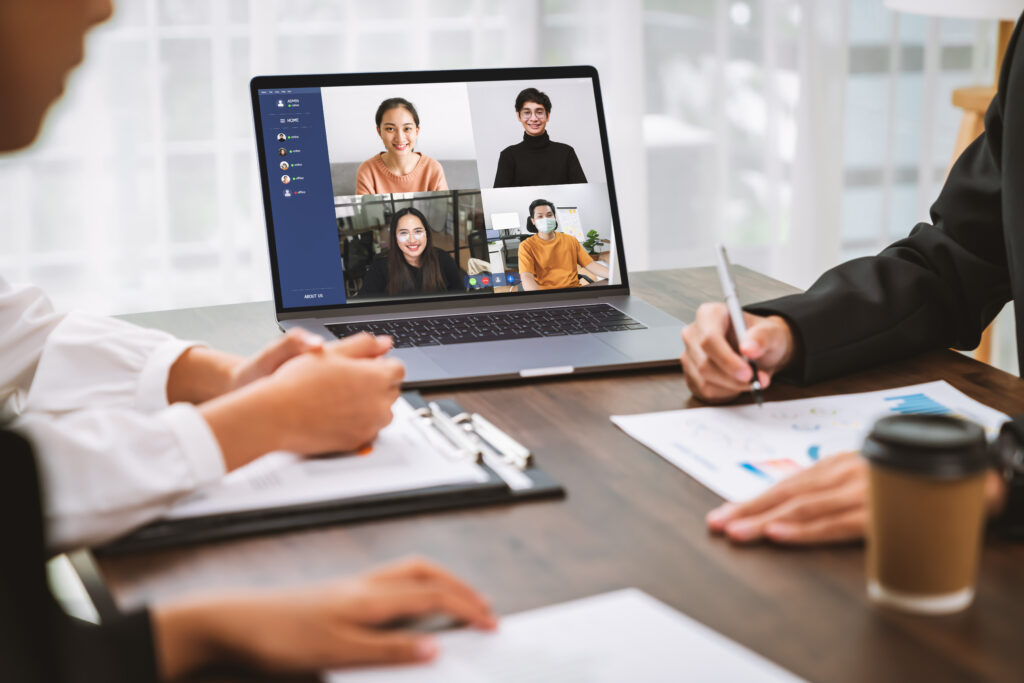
<point x="916" y="404"/>
<point x="740" y="451"/>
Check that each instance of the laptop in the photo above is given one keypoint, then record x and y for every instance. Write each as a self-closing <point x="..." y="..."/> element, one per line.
<point x="470" y="214"/>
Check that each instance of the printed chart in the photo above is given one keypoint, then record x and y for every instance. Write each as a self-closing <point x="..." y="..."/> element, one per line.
<point x="740" y="451"/>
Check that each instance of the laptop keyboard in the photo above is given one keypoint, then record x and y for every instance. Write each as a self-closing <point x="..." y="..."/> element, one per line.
<point x="495" y="326"/>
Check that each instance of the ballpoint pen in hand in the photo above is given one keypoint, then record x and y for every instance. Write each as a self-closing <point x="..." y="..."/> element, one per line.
<point x="736" y="313"/>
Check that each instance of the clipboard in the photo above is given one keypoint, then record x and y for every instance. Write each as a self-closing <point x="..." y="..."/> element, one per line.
<point x="493" y="490"/>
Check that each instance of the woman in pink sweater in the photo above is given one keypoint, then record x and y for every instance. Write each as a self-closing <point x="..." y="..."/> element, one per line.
<point x="399" y="168"/>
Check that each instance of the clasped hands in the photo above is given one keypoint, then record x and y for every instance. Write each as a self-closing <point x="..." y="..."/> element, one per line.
<point x="299" y="394"/>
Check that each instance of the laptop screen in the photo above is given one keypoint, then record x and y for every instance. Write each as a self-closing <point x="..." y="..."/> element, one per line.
<point x="404" y="187"/>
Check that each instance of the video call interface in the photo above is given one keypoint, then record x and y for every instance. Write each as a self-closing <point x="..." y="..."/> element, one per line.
<point x="390" y="192"/>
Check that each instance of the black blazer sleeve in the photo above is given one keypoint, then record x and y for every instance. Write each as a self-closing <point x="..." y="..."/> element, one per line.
<point x="939" y="287"/>
<point x="575" y="170"/>
<point x="39" y="642"/>
<point x="118" y="650"/>
<point x="506" y="174"/>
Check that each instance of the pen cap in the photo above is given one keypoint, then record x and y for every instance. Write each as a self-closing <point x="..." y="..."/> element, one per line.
<point x="936" y="446"/>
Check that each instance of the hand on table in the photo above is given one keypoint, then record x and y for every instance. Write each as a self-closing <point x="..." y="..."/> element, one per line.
<point x="826" y="503"/>
<point x="715" y="372"/>
<point x="320" y="627"/>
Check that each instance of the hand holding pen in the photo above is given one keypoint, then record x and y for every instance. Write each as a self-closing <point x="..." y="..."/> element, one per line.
<point x="716" y="364"/>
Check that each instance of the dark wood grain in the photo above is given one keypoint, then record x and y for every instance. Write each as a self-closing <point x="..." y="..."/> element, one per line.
<point x="633" y="519"/>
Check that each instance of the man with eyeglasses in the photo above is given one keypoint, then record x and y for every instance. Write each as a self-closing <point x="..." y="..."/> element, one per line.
<point x="537" y="160"/>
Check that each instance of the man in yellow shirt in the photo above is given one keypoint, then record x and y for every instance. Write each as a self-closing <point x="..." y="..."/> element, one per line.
<point x="550" y="260"/>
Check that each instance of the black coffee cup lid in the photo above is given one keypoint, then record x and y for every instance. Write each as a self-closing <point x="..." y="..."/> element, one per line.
<point x="937" y="446"/>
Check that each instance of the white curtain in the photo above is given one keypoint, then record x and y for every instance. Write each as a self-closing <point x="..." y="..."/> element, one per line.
<point x="740" y="126"/>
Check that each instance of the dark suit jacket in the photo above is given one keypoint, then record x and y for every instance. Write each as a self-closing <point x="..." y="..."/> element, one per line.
<point x="39" y="643"/>
<point x="942" y="285"/>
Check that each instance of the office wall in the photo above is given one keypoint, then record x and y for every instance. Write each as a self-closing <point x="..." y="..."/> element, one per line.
<point x="445" y="130"/>
<point x="591" y="200"/>
<point x="573" y="121"/>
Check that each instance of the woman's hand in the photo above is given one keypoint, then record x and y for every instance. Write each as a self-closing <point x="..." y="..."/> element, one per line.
<point x="826" y="503"/>
<point x="310" y="629"/>
<point x="201" y="374"/>
<point x="295" y="342"/>
<point x="336" y="398"/>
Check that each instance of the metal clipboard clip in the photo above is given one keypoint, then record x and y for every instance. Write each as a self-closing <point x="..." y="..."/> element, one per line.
<point x="470" y="434"/>
<point x="456" y="443"/>
<point x="508" y="450"/>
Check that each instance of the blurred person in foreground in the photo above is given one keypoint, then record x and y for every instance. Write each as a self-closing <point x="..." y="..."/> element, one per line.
<point x="125" y="420"/>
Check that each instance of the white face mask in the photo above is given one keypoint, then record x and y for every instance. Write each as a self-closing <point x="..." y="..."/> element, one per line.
<point x="546" y="225"/>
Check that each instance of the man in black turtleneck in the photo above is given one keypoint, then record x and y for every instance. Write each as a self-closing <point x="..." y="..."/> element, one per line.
<point x="537" y="160"/>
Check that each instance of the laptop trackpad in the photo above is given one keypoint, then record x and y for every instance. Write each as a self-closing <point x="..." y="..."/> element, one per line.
<point x="493" y="358"/>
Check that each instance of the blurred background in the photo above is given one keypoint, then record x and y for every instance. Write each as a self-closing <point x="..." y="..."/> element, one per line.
<point x="798" y="132"/>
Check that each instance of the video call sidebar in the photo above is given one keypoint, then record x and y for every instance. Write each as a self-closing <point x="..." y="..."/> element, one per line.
<point x="302" y="198"/>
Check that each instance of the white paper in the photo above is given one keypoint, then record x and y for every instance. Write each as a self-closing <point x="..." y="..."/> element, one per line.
<point x="738" y="452"/>
<point x="505" y="221"/>
<point x="621" y="636"/>
<point x="402" y="458"/>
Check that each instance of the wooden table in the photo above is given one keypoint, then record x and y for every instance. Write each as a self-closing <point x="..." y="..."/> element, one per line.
<point x="633" y="519"/>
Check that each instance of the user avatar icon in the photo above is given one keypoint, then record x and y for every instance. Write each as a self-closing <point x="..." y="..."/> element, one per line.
<point x="284" y="165"/>
<point x="281" y="137"/>
<point x="286" y="179"/>
<point x="280" y="103"/>
<point x="287" y="193"/>
<point x="282" y="151"/>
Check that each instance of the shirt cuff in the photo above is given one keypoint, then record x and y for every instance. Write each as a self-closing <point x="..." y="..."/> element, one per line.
<point x="198" y="443"/>
<point x="152" y="389"/>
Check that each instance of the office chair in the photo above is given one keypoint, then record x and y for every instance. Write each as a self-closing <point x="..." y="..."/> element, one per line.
<point x="477" y="240"/>
<point x="511" y="247"/>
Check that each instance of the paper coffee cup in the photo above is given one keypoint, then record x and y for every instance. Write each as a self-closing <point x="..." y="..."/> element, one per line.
<point x="926" y="506"/>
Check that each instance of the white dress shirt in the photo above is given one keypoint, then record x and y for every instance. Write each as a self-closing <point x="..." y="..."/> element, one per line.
<point x="90" y="393"/>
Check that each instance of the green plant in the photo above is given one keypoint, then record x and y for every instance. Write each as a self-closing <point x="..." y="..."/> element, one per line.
<point x="593" y="240"/>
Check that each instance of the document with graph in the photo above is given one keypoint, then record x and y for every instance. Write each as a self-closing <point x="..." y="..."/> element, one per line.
<point x="740" y="451"/>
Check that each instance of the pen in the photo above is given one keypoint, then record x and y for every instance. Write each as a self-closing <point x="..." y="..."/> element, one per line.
<point x="736" y="313"/>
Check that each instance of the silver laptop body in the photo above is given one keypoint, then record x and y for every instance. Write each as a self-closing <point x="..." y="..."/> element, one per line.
<point x="315" y="132"/>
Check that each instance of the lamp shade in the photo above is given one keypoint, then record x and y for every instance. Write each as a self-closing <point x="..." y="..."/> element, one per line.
<point x="964" y="9"/>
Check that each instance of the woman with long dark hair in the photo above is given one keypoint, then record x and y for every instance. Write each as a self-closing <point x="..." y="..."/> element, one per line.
<point x="413" y="264"/>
